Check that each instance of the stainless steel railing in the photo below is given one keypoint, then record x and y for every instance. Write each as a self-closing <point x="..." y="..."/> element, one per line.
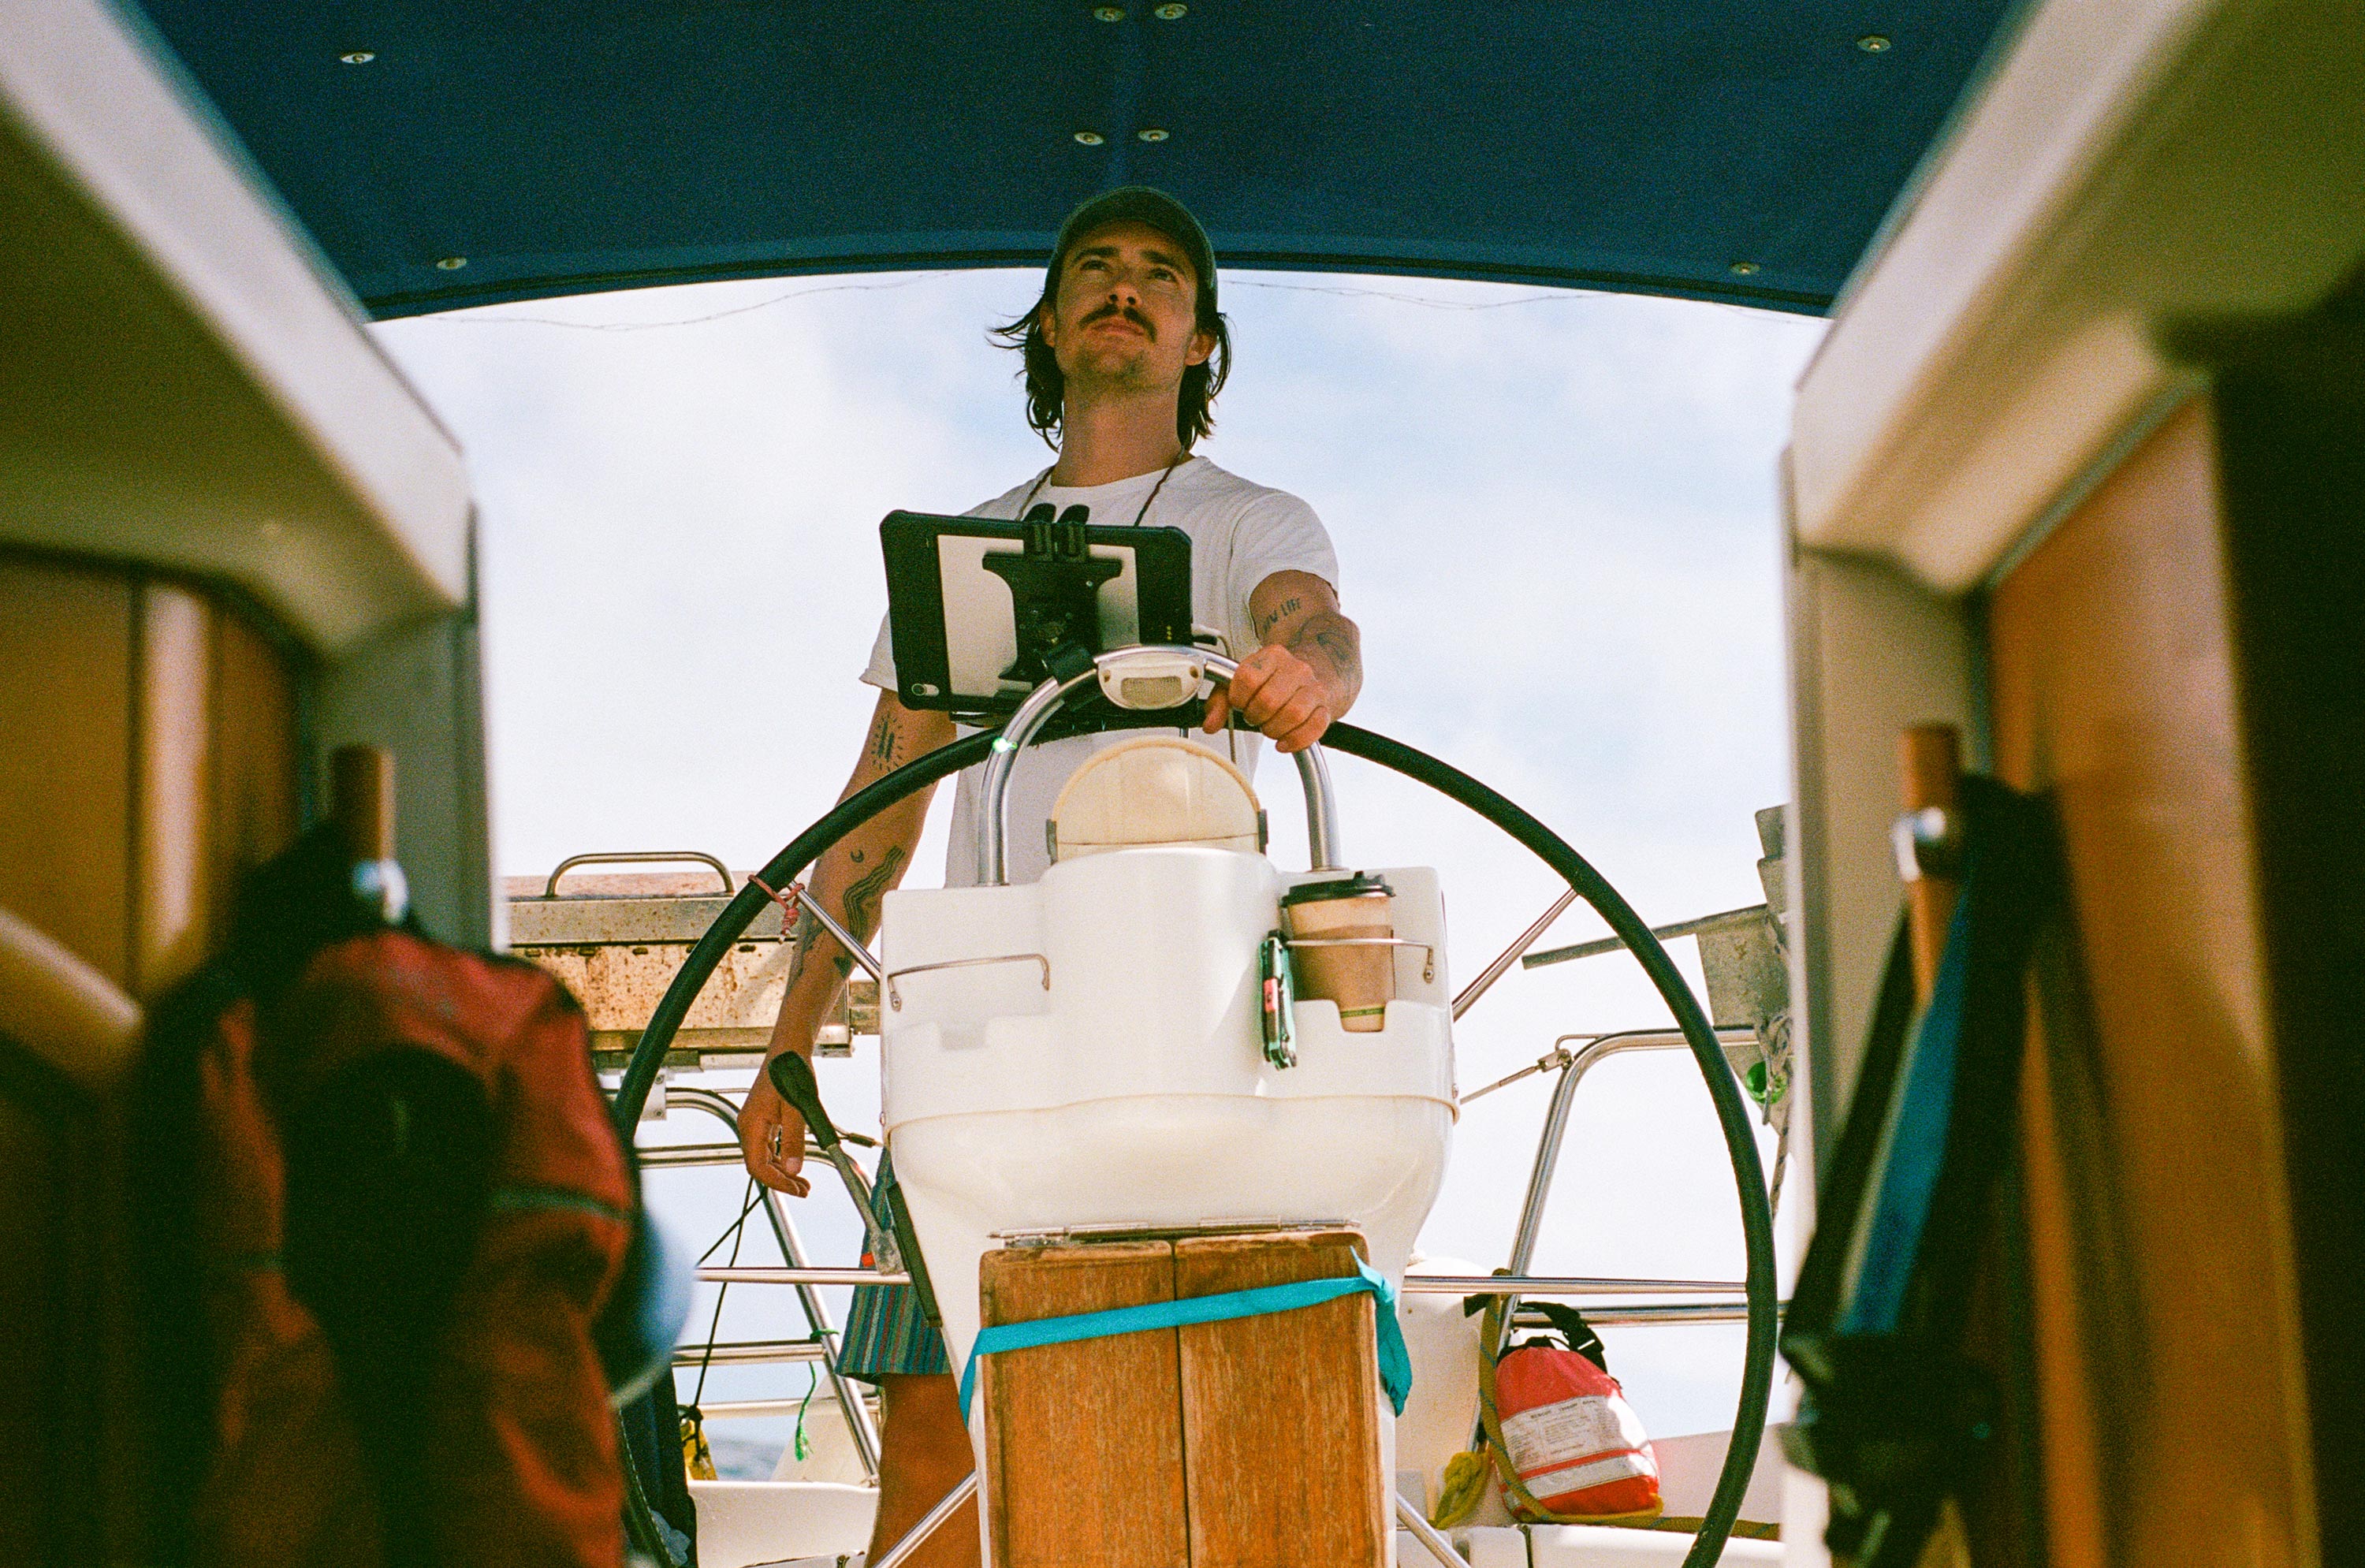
<point x="748" y="1352"/>
<point x="784" y="1231"/>
<point x="1573" y="1066"/>
<point x="992" y="827"/>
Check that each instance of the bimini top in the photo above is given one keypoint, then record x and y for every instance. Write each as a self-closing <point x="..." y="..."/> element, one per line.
<point x="448" y="153"/>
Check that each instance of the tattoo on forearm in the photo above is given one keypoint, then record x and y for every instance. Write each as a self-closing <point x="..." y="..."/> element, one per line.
<point x="808" y="931"/>
<point x="1282" y="612"/>
<point x="862" y="897"/>
<point x="861" y="915"/>
<point x="1340" y="648"/>
<point x="884" y="743"/>
<point x="1333" y="637"/>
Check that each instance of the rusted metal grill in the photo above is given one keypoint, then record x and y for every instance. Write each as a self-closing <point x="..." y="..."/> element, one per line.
<point x="617" y="938"/>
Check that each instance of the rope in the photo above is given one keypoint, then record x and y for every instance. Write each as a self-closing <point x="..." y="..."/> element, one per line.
<point x="737" y="1233"/>
<point x="1395" y="1361"/>
<point x="788" y="901"/>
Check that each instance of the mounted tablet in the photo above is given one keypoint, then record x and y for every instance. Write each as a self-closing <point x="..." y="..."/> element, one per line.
<point x="977" y="609"/>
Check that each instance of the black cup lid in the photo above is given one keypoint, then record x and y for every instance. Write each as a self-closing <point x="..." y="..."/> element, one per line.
<point x="1363" y="884"/>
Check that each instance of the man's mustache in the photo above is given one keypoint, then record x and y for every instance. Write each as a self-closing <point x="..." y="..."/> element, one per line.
<point x="1129" y="313"/>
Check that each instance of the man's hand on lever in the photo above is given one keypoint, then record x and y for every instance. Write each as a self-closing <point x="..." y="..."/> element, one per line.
<point x="772" y="1138"/>
<point x="1307" y="674"/>
<point x="849" y="880"/>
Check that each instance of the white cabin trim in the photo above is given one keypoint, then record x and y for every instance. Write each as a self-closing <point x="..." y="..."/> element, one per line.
<point x="2130" y="168"/>
<point x="206" y="398"/>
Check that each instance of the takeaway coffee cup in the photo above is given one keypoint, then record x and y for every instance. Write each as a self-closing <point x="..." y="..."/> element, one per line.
<point x="1340" y="934"/>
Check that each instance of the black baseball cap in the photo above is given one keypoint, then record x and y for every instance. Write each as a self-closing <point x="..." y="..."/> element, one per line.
<point x="1142" y="203"/>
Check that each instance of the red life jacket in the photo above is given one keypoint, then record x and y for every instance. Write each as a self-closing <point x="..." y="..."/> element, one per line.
<point x="1577" y="1446"/>
<point x="356" y="1416"/>
<point x="1568" y="1446"/>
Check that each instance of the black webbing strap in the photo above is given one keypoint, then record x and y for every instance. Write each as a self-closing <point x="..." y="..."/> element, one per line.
<point x="1892" y="1409"/>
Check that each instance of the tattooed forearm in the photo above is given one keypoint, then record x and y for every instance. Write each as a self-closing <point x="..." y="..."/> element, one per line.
<point x="862" y="897"/>
<point x="861" y="916"/>
<point x="1333" y="638"/>
<point x="884" y="748"/>
<point x="807" y="932"/>
<point x="851" y="880"/>
<point x="1281" y="612"/>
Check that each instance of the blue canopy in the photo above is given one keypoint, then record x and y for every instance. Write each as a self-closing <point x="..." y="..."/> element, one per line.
<point x="450" y="153"/>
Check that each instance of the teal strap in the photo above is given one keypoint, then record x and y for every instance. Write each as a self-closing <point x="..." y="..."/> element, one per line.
<point x="544" y="1200"/>
<point x="1395" y="1362"/>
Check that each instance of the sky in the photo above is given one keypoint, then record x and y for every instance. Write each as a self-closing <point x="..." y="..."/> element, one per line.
<point x="1556" y="520"/>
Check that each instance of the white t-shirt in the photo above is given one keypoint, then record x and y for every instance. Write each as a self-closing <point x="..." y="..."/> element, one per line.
<point x="1240" y="534"/>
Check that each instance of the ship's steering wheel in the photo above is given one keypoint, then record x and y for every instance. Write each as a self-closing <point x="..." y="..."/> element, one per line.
<point x="998" y="750"/>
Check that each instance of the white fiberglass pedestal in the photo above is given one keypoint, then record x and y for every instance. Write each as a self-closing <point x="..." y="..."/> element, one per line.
<point x="1110" y="1071"/>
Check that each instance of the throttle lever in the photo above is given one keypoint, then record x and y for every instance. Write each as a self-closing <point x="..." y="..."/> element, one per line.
<point x="792" y="1076"/>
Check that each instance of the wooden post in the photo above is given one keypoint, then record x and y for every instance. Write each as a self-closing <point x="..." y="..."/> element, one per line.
<point x="1083" y="1441"/>
<point x="1931" y="759"/>
<point x="361" y="799"/>
<point x="1280" y="1420"/>
<point x="1249" y="1443"/>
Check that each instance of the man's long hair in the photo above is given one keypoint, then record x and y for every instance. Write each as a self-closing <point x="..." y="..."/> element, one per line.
<point x="1047" y="385"/>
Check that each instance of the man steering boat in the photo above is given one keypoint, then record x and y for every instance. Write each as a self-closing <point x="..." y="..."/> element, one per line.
<point x="1124" y="354"/>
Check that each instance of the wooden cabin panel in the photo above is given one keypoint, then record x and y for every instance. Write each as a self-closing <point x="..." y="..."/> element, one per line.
<point x="2161" y="1262"/>
<point x="172" y="919"/>
<point x="66" y="698"/>
<point x="69" y="1470"/>
<point x="149" y="757"/>
<point x="40" y="1273"/>
<point x="256" y="779"/>
<point x="1084" y="1440"/>
<point x="1281" y="1412"/>
<point x="2291" y="415"/>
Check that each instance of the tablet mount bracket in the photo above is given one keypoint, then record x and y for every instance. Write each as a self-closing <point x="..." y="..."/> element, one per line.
<point x="1054" y="582"/>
